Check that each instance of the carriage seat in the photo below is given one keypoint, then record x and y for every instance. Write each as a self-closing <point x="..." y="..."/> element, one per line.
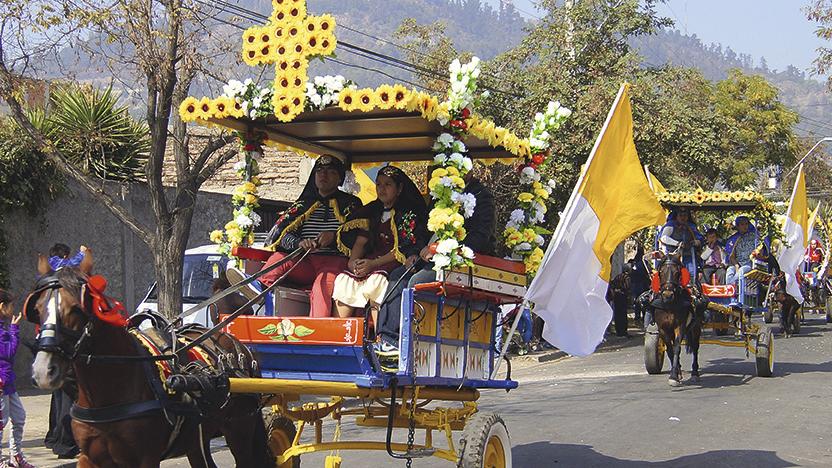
<point x="719" y="290"/>
<point x="290" y="300"/>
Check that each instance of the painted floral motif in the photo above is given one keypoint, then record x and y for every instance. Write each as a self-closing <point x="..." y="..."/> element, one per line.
<point x="286" y="330"/>
<point x="408" y="228"/>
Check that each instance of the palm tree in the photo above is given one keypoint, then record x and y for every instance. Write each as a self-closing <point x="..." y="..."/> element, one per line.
<point x="96" y="134"/>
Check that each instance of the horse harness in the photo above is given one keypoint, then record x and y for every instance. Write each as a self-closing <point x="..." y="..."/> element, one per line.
<point x="157" y="353"/>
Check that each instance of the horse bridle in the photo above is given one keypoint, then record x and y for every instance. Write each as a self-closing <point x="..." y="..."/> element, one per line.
<point x="51" y="336"/>
<point x="671" y="284"/>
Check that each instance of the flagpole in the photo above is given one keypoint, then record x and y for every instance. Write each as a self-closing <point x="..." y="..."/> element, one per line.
<point x="570" y="204"/>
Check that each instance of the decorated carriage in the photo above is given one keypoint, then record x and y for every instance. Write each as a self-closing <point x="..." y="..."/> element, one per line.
<point x="448" y="347"/>
<point x="731" y="306"/>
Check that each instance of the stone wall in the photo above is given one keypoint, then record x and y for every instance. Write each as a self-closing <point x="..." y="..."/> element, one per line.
<point x="75" y="219"/>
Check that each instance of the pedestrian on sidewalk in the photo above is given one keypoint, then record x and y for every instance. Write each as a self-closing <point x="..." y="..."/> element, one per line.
<point x="11" y="407"/>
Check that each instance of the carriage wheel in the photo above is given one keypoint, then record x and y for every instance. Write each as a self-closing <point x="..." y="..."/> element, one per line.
<point x="765" y="353"/>
<point x="485" y="442"/>
<point x="653" y="350"/>
<point x="282" y="432"/>
<point x="768" y="315"/>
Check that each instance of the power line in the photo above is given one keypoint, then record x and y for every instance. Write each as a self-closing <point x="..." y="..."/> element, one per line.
<point x="255" y="17"/>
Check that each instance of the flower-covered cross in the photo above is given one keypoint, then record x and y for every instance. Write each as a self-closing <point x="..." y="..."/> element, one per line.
<point x="288" y="41"/>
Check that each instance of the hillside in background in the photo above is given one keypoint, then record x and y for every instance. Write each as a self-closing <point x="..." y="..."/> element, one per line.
<point x="800" y="92"/>
<point x="474" y="26"/>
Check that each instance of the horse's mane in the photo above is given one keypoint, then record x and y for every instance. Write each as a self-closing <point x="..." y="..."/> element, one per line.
<point x="71" y="279"/>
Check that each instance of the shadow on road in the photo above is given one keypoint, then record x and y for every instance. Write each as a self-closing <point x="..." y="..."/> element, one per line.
<point x="568" y="455"/>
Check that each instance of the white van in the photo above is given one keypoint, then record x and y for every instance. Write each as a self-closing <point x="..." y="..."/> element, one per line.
<point x="202" y="266"/>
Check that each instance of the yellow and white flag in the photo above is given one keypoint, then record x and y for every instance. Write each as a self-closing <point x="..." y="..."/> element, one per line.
<point x="796" y="232"/>
<point x="812" y="219"/>
<point x="655" y="185"/>
<point x="611" y="200"/>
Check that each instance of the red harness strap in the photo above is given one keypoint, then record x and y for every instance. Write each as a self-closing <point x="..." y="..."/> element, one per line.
<point x="656" y="286"/>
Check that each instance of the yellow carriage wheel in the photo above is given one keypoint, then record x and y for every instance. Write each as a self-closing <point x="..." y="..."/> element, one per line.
<point x="494" y="453"/>
<point x="282" y="432"/>
<point x="485" y="442"/>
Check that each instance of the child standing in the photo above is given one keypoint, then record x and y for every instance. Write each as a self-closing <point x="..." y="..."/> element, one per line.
<point x="11" y="406"/>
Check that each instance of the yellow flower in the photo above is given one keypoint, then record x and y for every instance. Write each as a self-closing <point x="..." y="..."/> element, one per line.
<point x="457" y="220"/>
<point x="525" y="197"/>
<point x="452" y="171"/>
<point x="737" y="196"/>
<point x="188" y="109"/>
<point x="204" y="109"/>
<point x="529" y="235"/>
<point x="499" y="135"/>
<point x="699" y="197"/>
<point x="216" y="236"/>
<point x="385" y="97"/>
<point x="674" y="197"/>
<point x="256" y="181"/>
<point x="251" y="199"/>
<point x="433" y="183"/>
<point x="285" y="109"/>
<point x="231" y="225"/>
<point x="413" y="102"/>
<point x="542" y="193"/>
<point x="347" y="99"/>
<point x="439" y="172"/>
<point x="428" y="106"/>
<point x="749" y="195"/>
<point x="401" y="96"/>
<point x="365" y="100"/>
<point x="223" y="106"/>
<point x="458" y="181"/>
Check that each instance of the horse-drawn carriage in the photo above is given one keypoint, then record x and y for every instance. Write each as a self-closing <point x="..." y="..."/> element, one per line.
<point x="730" y="306"/>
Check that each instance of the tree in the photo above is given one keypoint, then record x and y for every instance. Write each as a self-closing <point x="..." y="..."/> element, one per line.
<point x="756" y="128"/>
<point x="820" y="11"/>
<point x="160" y="46"/>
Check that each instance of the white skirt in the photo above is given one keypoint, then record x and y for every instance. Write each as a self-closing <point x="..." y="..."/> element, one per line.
<point x="356" y="292"/>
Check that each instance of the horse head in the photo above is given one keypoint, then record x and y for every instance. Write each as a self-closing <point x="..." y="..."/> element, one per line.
<point x="670" y="276"/>
<point x="57" y="304"/>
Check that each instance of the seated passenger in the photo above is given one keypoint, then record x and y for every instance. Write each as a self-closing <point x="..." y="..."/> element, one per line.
<point x="713" y="259"/>
<point x="310" y="224"/>
<point x="380" y="237"/>
<point x="480" y="238"/>
<point x="739" y="248"/>
<point x="680" y="231"/>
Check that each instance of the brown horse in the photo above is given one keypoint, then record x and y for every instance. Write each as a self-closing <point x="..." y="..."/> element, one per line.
<point x="676" y="318"/>
<point x="124" y="415"/>
<point x="789" y="319"/>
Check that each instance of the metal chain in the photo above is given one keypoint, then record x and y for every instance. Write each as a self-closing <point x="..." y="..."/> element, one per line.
<point x="411" y="430"/>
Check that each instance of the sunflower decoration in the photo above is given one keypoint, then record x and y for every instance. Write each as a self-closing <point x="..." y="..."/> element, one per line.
<point x="401" y="96"/>
<point x="222" y="105"/>
<point x="235" y="109"/>
<point x="715" y="196"/>
<point x="428" y="106"/>
<point x="414" y="101"/>
<point x="385" y="97"/>
<point x="288" y="10"/>
<point x="348" y="99"/>
<point x="187" y="109"/>
<point x="204" y="109"/>
<point x="738" y="196"/>
<point x="285" y="109"/>
<point x="749" y="195"/>
<point x="674" y="198"/>
<point x="365" y="99"/>
<point x="685" y="197"/>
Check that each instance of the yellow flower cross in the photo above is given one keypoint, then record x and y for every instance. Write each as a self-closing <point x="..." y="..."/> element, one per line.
<point x="288" y="40"/>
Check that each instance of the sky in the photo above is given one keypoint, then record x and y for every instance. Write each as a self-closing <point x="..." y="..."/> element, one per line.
<point x="775" y="29"/>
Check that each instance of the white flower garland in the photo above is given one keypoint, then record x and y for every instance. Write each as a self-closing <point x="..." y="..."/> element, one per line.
<point x="323" y="91"/>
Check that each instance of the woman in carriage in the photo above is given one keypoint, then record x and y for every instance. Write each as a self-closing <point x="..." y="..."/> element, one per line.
<point x="386" y="233"/>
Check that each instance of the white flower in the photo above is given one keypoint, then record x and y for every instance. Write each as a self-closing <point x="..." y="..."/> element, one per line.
<point x="517" y="216"/>
<point x="255" y="219"/>
<point x="458" y="146"/>
<point x="467" y="200"/>
<point x="447" y="181"/>
<point x="239" y="166"/>
<point x="523" y="246"/>
<point x="529" y="175"/>
<point x="445" y="139"/>
<point x="245" y="106"/>
<point x="247" y="82"/>
<point x="539" y="240"/>
<point x="467" y="163"/>
<point x="253" y="113"/>
<point x="441" y="261"/>
<point x="243" y="221"/>
<point x="310" y="89"/>
<point x="455" y="66"/>
<point x="467" y="252"/>
<point x="287" y="327"/>
<point x="440" y="158"/>
<point x="256" y="102"/>
<point x="456" y="159"/>
<point x="564" y="113"/>
<point x="552" y="184"/>
<point x="319" y="81"/>
<point x="327" y="99"/>
<point x="316" y="100"/>
<point x="446" y="246"/>
<point x="552" y="107"/>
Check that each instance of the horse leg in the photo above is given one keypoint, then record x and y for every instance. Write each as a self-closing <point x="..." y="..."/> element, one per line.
<point x="784" y="318"/>
<point x="676" y="369"/>
<point x="199" y="453"/>
<point x="693" y="342"/>
<point x="246" y="435"/>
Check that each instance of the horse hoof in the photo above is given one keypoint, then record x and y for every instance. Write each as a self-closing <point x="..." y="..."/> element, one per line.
<point x="674" y="382"/>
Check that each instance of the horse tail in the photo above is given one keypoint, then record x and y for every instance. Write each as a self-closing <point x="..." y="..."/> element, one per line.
<point x="692" y="333"/>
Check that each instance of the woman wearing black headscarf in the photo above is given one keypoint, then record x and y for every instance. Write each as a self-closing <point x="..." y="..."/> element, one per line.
<point x="379" y="237"/>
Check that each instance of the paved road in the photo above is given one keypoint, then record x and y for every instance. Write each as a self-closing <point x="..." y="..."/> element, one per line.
<point x="604" y="410"/>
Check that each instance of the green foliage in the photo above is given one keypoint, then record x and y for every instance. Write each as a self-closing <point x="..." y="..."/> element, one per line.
<point x="26" y="181"/>
<point x="96" y="134"/>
